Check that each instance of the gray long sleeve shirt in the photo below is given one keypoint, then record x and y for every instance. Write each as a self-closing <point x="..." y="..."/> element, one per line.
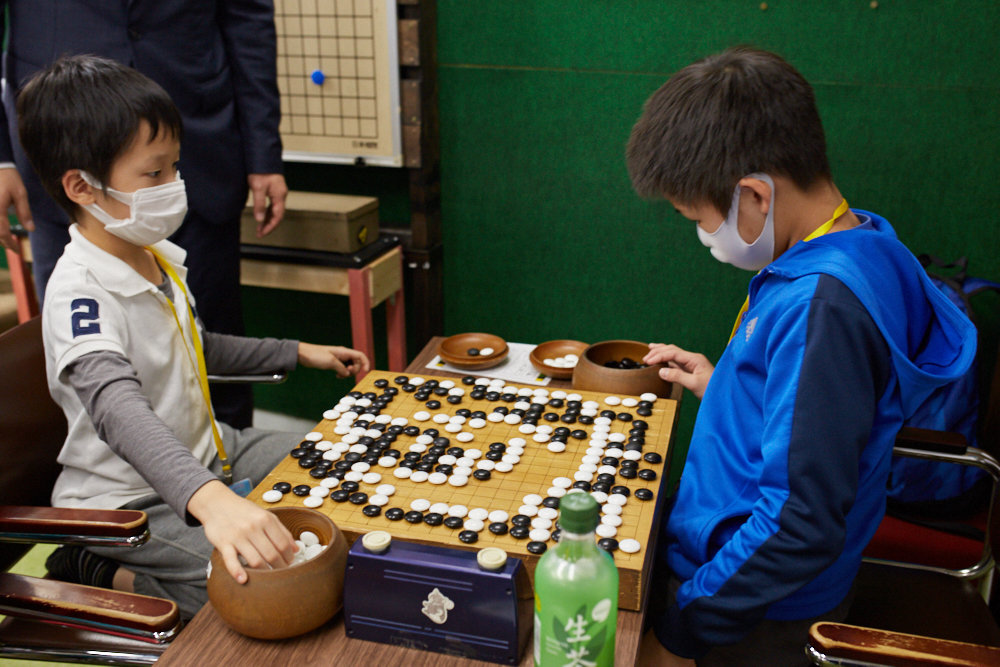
<point x="123" y="417"/>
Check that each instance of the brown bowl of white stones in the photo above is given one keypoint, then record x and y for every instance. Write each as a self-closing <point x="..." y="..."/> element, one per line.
<point x="289" y="601"/>
<point x="557" y="358"/>
<point x="593" y="371"/>
<point x="473" y="351"/>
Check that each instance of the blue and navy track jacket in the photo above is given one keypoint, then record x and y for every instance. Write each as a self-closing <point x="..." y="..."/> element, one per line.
<point x="785" y="479"/>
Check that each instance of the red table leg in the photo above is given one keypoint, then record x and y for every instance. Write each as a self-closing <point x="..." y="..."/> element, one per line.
<point x="395" y="317"/>
<point x="361" y="313"/>
<point x="23" y="285"/>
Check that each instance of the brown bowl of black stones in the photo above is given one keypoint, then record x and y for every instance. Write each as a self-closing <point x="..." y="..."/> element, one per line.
<point x="288" y="601"/>
<point x="615" y="367"/>
<point x="557" y="358"/>
<point x="473" y="351"/>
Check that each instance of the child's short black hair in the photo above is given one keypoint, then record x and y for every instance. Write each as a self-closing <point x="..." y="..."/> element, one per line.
<point x="724" y="117"/>
<point x="83" y="112"/>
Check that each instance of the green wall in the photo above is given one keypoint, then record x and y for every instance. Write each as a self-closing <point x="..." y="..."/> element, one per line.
<point x="543" y="236"/>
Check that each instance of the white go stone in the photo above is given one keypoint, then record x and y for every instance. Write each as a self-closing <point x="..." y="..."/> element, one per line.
<point x="532" y="499"/>
<point x="402" y="473"/>
<point x="602" y="420"/>
<point x="308" y="538"/>
<point x="330" y="482"/>
<point x="599" y="496"/>
<point x="272" y="496"/>
<point x="331" y="415"/>
<point x="511" y="458"/>
<point x="473" y="453"/>
<point x="616" y="437"/>
<point x="340" y="447"/>
<point x="595" y="451"/>
<point x="482" y="381"/>
<point x="437" y="478"/>
<point x="613" y="400"/>
<point x="462" y="471"/>
<point x="371" y="478"/>
<point x="556" y="447"/>
<point x="522" y="405"/>
<point x="617" y="499"/>
<point x="611" y="509"/>
<point x="474" y="525"/>
<point x="331" y="455"/>
<point x="386" y="489"/>
<point x="466" y="461"/>
<point x="424" y="440"/>
<point x="441" y="418"/>
<point x="360" y="466"/>
<point x="348" y="400"/>
<point x="503" y="466"/>
<point x="359" y="449"/>
<point x="613" y="453"/>
<point x="458" y="480"/>
<point x="588" y="467"/>
<point x="630" y="546"/>
<point x="558" y="393"/>
<point x="379" y="499"/>
<point x="314" y="436"/>
<point x="574" y="491"/>
<point x="495" y="417"/>
<point x="539" y="535"/>
<point x="400" y="421"/>
<point x="324" y="446"/>
<point x="516" y="451"/>
<point x="479" y="513"/>
<point x="349" y="416"/>
<point x="607" y="470"/>
<point x="590" y="458"/>
<point x="525" y="391"/>
<point x="649" y="397"/>
<point x="465" y="436"/>
<point x="477" y="423"/>
<point x="611" y="520"/>
<point x="419" y="448"/>
<point x="363" y="403"/>
<point x="387" y="461"/>
<point x="420" y="504"/>
<point x="541" y="522"/>
<point x="439" y="508"/>
<point x="383" y="419"/>
<point x="544" y="428"/>
<point x="629" y="402"/>
<point x="588" y="412"/>
<point x="527" y="510"/>
<point x="574" y="397"/>
<point x="517" y="442"/>
<point x="632" y="455"/>
<point x="510" y="389"/>
<point x="605" y="530"/>
<point x="456" y="391"/>
<point x="447" y="459"/>
<point x="497" y="383"/>
<point x="312" y="502"/>
<point x="591" y="405"/>
<point x="548" y="513"/>
<point x="498" y="516"/>
<point x="352" y="438"/>
<point x="540" y="437"/>
<point x="417" y="381"/>
<point x="562" y="482"/>
<point x="353" y="476"/>
<point x="457" y="420"/>
<point x="366" y="417"/>
<point x="526" y="428"/>
<point x="458" y="510"/>
<point x="512" y="419"/>
<point x="556" y="492"/>
<point x="419" y="476"/>
<point x="422" y="416"/>
<point x="486" y="465"/>
<point x="453" y="428"/>
<point x="342" y="430"/>
<point x="581" y="476"/>
<point x="601" y="428"/>
<point x="446" y="384"/>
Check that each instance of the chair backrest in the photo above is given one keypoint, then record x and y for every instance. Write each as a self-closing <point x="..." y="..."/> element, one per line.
<point x="32" y="426"/>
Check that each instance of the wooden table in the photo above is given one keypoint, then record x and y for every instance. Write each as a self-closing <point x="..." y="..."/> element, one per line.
<point x="208" y="640"/>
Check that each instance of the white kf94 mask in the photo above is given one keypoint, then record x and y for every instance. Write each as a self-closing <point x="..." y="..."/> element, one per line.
<point x="154" y="213"/>
<point x="728" y="246"/>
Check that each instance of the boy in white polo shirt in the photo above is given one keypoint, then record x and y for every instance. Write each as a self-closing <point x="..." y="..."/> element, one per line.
<point x="126" y="357"/>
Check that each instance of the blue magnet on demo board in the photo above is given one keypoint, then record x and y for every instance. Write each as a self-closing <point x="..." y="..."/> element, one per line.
<point x="318" y="77"/>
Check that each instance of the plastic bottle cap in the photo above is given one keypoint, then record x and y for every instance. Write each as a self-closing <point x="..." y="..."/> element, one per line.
<point x="492" y="558"/>
<point x="578" y="513"/>
<point x="376" y="541"/>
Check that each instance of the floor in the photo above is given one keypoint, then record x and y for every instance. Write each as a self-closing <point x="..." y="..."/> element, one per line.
<point x="33" y="564"/>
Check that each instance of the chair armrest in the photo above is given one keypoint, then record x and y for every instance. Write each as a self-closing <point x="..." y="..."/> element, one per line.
<point x="840" y="644"/>
<point x="150" y="619"/>
<point x="268" y="378"/>
<point x="60" y="525"/>
<point x="924" y="439"/>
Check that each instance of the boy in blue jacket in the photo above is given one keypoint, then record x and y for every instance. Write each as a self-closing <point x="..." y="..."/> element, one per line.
<point x="842" y="338"/>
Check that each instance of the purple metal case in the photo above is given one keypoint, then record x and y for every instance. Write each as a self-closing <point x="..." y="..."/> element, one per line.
<point x="438" y="599"/>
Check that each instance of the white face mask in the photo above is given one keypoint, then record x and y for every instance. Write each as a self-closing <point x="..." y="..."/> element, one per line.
<point x="728" y="246"/>
<point x="154" y="213"/>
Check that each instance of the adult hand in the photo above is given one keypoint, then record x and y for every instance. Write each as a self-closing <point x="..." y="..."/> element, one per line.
<point x="653" y="654"/>
<point x="269" y="193"/>
<point x="688" y="369"/>
<point x="344" y="361"/>
<point x="12" y="192"/>
<point x="237" y="527"/>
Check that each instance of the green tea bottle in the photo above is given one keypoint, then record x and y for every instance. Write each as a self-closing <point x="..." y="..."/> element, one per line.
<point x="576" y="593"/>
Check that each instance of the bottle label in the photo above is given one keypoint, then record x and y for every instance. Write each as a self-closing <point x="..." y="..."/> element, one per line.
<point x="578" y="640"/>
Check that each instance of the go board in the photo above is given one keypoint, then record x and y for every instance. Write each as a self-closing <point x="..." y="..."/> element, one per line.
<point x="532" y="471"/>
<point x="338" y="75"/>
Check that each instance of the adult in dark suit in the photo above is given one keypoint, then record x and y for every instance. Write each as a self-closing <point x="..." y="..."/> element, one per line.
<point x="217" y="60"/>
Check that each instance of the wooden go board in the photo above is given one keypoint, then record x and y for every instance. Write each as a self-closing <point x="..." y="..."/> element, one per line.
<point x="338" y="75"/>
<point x="532" y="474"/>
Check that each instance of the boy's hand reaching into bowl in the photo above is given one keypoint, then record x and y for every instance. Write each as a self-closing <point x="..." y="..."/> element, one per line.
<point x="688" y="369"/>
<point x="342" y="360"/>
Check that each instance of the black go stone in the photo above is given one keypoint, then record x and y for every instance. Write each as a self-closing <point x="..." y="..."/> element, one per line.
<point x="464" y="412"/>
<point x="411" y="456"/>
<point x="356" y="394"/>
<point x="411" y="431"/>
<point x="457" y="452"/>
<point x="501" y="409"/>
<point x="469" y="536"/>
<point x="414" y="517"/>
<point x="394" y="453"/>
<point x="573" y="405"/>
<point x="603" y="487"/>
<point x="521" y="520"/>
<point x="530" y="420"/>
<point x="408" y="388"/>
<point x="365" y="440"/>
<point x="562" y="430"/>
<point x="568" y="418"/>
<point x="623" y="490"/>
<point x="644" y="494"/>
<point x="340" y="496"/>
<point x="652" y="457"/>
<point x="391" y="391"/>
<point x="550" y="417"/>
<point x="536" y="547"/>
<point x="609" y="544"/>
<point x="605" y="478"/>
<point x="517" y="411"/>
<point x="552" y="502"/>
<point x="431" y="383"/>
<point x="436" y="450"/>
<point x="307" y="444"/>
<point x="454" y="522"/>
<point x="615" y="445"/>
<point x="433" y="432"/>
<point x="350" y="487"/>
<point x="498" y="528"/>
<point x="440" y="441"/>
<point x="318" y="472"/>
<point x="637" y="431"/>
<point x="586" y="421"/>
<point x="520" y="532"/>
<point x="394" y="514"/>
<point x="498" y="447"/>
<point x="629" y="464"/>
<point x="624" y="417"/>
<point x="444" y="468"/>
<point x="284" y="487"/>
<point x="492" y="396"/>
<point x="639" y="424"/>
<point x="478" y="414"/>
<point x="469" y="379"/>
<point x="579" y="434"/>
<point x="557" y="534"/>
<point x="482" y="475"/>
<point x="508" y="398"/>
<point x="494" y="455"/>
<point x="644" y="412"/>
<point x="382" y="384"/>
<point x="301" y="490"/>
<point x="433" y="405"/>
<point x="633" y="447"/>
<point x="297" y="453"/>
<point x="371" y="510"/>
<point x="582" y="485"/>
<point x="371" y="395"/>
<point x="473" y="352"/>
<point x="422" y="395"/>
<point x="434" y="519"/>
<point x="353" y="457"/>
<point x="647" y="474"/>
<point x="609" y="461"/>
<point x="454" y="400"/>
<point x="609" y="414"/>
<point x="408" y="464"/>
<point x="556" y="403"/>
<point x="426" y="466"/>
<point x="440" y="391"/>
<point x="477" y="395"/>
<point x="305" y="462"/>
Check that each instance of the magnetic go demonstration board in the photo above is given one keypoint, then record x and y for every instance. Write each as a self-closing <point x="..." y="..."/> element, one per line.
<point x="338" y="75"/>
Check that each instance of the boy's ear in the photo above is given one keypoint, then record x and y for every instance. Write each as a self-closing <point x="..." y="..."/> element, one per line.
<point x="761" y="190"/>
<point x="77" y="190"/>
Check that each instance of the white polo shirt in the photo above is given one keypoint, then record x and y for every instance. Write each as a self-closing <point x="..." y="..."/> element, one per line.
<point x="95" y="301"/>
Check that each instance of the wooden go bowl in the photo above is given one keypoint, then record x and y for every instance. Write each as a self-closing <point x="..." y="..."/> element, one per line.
<point x="591" y="374"/>
<point x="285" y="602"/>
<point x="553" y="350"/>
<point x="453" y="350"/>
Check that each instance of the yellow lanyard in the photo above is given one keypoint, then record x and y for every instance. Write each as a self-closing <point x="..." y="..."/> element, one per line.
<point x="199" y="354"/>
<point x="820" y="231"/>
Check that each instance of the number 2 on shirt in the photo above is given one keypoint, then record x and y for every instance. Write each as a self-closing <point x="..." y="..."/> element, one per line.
<point x="84" y="318"/>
